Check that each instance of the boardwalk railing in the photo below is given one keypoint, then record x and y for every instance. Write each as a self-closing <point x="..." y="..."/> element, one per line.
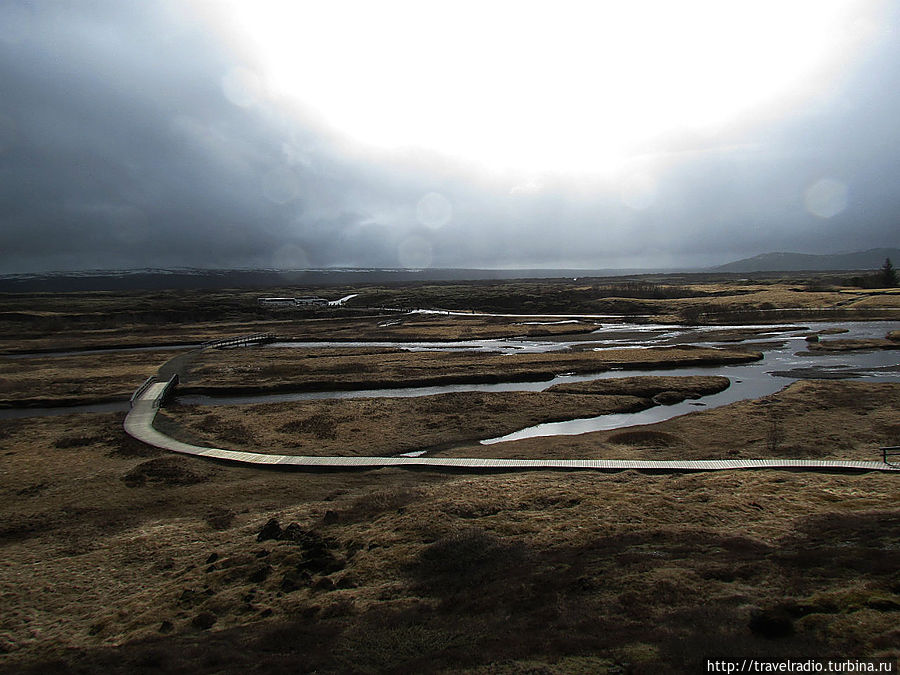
<point x="166" y="392"/>
<point x="152" y="394"/>
<point x="240" y="341"/>
<point x="140" y="390"/>
<point x="890" y="451"/>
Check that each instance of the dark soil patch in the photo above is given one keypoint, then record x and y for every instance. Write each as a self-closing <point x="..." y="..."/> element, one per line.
<point x="167" y="471"/>
<point x="466" y="560"/>
<point x="646" y="438"/>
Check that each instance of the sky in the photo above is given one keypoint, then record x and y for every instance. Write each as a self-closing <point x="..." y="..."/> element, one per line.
<point x="291" y="135"/>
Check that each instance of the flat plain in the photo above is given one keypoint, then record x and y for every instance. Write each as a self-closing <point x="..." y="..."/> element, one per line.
<point x="121" y="558"/>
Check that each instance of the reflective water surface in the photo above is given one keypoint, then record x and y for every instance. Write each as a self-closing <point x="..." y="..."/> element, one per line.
<point x="785" y="359"/>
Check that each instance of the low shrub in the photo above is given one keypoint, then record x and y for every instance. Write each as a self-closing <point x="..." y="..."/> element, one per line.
<point x="220" y="518"/>
<point x="76" y="441"/>
<point x="650" y="439"/>
<point x="373" y="504"/>
<point x="166" y="471"/>
<point x="320" y="425"/>
<point x="235" y="433"/>
<point x="466" y="559"/>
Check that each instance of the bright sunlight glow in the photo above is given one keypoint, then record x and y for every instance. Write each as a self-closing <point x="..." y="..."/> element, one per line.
<point x="570" y="86"/>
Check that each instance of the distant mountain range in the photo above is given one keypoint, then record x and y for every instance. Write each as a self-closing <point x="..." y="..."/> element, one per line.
<point x="805" y="262"/>
<point x="163" y="279"/>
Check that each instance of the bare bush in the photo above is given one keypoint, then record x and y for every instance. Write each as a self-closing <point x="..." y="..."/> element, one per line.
<point x="466" y="559"/>
<point x="320" y="425"/>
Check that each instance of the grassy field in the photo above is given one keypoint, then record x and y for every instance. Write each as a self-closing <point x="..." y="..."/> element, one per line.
<point x="119" y="558"/>
<point x="811" y="419"/>
<point x="389" y="426"/>
<point x="59" y="380"/>
<point x="246" y="371"/>
<point x="77" y="379"/>
<point x="37" y="321"/>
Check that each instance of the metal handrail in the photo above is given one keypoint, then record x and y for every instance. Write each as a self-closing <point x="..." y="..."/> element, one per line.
<point x="140" y="390"/>
<point x="166" y="392"/>
<point x="890" y="451"/>
<point x="238" y="340"/>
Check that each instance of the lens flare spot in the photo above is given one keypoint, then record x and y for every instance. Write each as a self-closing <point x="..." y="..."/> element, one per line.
<point x="826" y="198"/>
<point x="434" y="210"/>
<point x="290" y="257"/>
<point x="415" y="252"/>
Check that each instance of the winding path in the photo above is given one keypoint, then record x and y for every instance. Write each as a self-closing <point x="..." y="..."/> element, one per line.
<point x="147" y="400"/>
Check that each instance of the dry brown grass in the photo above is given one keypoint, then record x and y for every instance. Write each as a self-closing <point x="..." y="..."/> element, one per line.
<point x="882" y="299"/>
<point x="692" y="386"/>
<point x="369" y="582"/>
<point x="78" y="320"/>
<point x="558" y="570"/>
<point x="75" y="330"/>
<point x="815" y="419"/>
<point x="117" y="558"/>
<point x="389" y="426"/>
<point x="404" y="327"/>
<point x="287" y="369"/>
<point x="748" y="298"/>
<point x="381" y="426"/>
<point x="62" y="380"/>
<point x="852" y="345"/>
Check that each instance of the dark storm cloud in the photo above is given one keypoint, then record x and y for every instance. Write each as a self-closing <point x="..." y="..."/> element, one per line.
<point x="119" y="148"/>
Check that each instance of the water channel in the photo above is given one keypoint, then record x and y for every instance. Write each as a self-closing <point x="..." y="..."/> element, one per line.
<point x="786" y="359"/>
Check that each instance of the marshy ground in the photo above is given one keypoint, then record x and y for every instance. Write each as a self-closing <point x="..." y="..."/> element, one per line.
<point x="119" y="558"/>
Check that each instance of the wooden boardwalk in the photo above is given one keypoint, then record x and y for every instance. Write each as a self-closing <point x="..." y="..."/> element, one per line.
<point x="240" y="341"/>
<point x="139" y="424"/>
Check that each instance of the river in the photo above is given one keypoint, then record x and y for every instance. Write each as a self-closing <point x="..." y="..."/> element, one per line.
<point x="785" y="360"/>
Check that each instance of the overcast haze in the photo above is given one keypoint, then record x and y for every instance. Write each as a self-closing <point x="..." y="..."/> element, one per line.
<point x="145" y="134"/>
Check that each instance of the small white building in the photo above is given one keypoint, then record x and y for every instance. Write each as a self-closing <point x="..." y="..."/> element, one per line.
<point x="276" y="302"/>
<point x="310" y="301"/>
